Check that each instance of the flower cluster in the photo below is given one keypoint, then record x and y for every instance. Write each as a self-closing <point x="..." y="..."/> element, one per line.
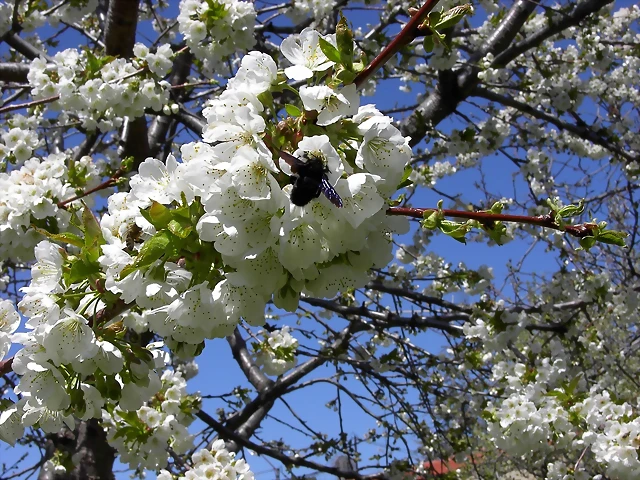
<point x="612" y="432"/>
<point x="160" y="423"/>
<point x="316" y="9"/>
<point x="551" y="408"/>
<point x="29" y="196"/>
<point x="102" y="91"/>
<point x="525" y="425"/>
<point x="9" y="322"/>
<point x="216" y="29"/>
<point x="72" y="12"/>
<point x="192" y="243"/>
<point x="34" y="19"/>
<point x="215" y="462"/>
<point x="276" y="354"/>
<point x="242" y="219"/>
<point x="63" y="363"/>
<point x="18" y="143"/>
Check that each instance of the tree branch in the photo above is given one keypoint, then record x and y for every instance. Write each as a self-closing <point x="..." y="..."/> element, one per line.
<point x="580" y="230"/>
<point x="583" y="132"/>
<point x="228" y="433"/>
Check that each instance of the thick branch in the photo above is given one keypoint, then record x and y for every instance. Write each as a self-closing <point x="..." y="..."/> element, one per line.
<point x="14" y="72"/>
<point x="193" y="122"/>
<point x="454" y="87"/>
<point x="579" y="13"/>
<point x="93" y="457"/>
<point x="581" y="131"/>
<point x="120" y="29"/>
<point x="25" y="48"/>
<point x="390" y="319"/>
<point x="242" y="356"/>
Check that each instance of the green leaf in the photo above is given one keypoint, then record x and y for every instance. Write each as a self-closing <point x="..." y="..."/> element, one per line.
<point x="571" y="210"/>
<point x="127" y="163"/>
<point x="434" y="17"/>
<point x="405" y="182"/>
<point x="497" y="232"/>
<point x="329" y="50"/>
<point x="92" y="233"/>
<point x="587" y="242"/>
<point x="159" y="215"/>
<point x="153" y="249"/>
<point x="455" y="230"/>
<point x="346" y="76"/>
<point x="612" y="237"/>
<point x="431" y="219"/>
<point x="571" y="387"/>
<point x="561" y="396"/>
<point x="292" y="110"/>
<point x="65" y="237"/>
<point x="216" y="11"/>
<point x="451" y="17"/>
<point x="552" y="205"/>
<point x="93" y="64"/>
<point x="428" y="43"/>
<point x="496" y="208"/>
<point x="344" y="40"/>
<point x="180" y="229"/>
<point x="82" y="270"/>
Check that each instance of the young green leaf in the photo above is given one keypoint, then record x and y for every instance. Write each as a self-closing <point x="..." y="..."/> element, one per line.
<point x="451" y="17"/>
<point x="292" y="110"/>
<point x="571" y="210"/>
<point x="329" y="50"/>
<point x="344" y="40"/>
<point x="612" y="237"/>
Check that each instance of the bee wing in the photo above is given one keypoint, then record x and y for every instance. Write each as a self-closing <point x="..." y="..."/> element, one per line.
<point x="292" y="161"/>
<point x="330" y="192"/>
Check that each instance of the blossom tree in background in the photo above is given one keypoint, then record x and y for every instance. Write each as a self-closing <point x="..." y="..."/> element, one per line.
<point x="230" y="176"/>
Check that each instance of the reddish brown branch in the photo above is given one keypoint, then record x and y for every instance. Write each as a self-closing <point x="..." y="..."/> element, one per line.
<point x="6" y="366"/>
<point x="486" y="218"/>
<point x="408" y="33"/>
<point x="33" y="103"/>
<point x="106" y="184"/>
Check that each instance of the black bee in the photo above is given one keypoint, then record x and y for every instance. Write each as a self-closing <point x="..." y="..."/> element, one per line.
<point x="309" y="179"/>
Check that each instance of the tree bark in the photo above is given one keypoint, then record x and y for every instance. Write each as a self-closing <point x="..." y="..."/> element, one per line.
<point x="87" y="447"/>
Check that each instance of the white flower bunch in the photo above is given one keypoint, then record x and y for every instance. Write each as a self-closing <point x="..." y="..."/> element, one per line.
<point x="63" y="362"/>
<point x="613" y="432"/>
<point x="215" y="30"/>
<point x="216" y="462"/>
<point x="202" y="244"/>
<point x="316" y="9"/>
<point x="276" y="354"/>
<point x="72" y="12"/>
<point x="34" y="19"/>
<point x="9" y="322"/>
<point x="160" y="423"/>
<point x="257" y="244"/>
<point x="100" y="92"/>
<point x="29" y="195"/>
<point x="19" y="142"/>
